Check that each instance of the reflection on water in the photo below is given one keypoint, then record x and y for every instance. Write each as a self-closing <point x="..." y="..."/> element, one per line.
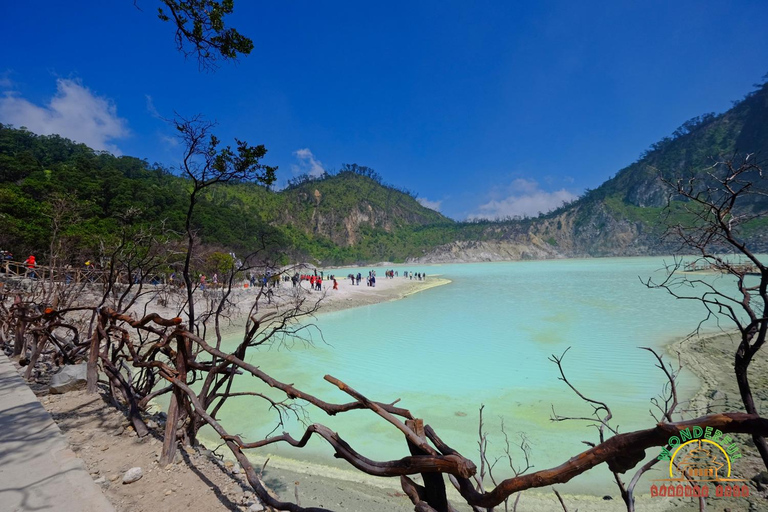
<point x="486" y="339"/>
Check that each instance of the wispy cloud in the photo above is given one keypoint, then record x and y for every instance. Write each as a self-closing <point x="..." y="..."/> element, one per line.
<point x="74" y="112"/>
<point x="168" y="141"/>
<point x="308" y="164"/>
<point x="432" y="205"/>
<point x="524" y="197"/>
<point x="151" y="107"/>
<point x="5" y="80"/>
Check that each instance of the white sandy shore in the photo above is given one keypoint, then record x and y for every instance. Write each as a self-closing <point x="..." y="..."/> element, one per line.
<point x="242" y="297"/>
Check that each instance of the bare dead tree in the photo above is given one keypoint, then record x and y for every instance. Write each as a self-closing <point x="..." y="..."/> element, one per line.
<point x="665" y="406"/>
<point x="710" y="212"/>
<point x="486" y="466"/>
<point x="600" y="419"/>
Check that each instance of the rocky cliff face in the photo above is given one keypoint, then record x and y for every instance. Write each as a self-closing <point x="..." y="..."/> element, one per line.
<point x="347" y="207"/>
<point x="475" y="252"/>
<point x="591" y="230"/>
<point x="598" y="231"/>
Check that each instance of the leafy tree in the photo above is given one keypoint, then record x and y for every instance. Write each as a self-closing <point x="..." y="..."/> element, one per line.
<point x="201" y="30"/>
<point x="206" y="164"/>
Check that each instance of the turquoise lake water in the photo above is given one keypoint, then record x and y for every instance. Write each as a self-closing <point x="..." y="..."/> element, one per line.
<point x="485" y="338"/>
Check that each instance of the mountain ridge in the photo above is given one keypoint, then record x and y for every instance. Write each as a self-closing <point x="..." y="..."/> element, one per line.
<point x="623" y="216"/>
<point x="351" y="216"/>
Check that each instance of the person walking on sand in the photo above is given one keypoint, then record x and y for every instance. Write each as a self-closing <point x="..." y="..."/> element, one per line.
<point x="335" y="284"/>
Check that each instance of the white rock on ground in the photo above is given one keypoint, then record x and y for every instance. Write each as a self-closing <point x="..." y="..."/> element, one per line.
<point x="71" y="377"/>
<point x="132" y="475"/>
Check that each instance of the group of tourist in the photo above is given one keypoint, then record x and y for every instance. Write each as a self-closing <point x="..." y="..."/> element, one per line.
<point x="369" y="281"/>
<point x="315" y="280"/>
<point x="421" y="276"/>
<point x="204" y="280"/>
<point x="355" y="279"/>
<point x="391" y="274"/>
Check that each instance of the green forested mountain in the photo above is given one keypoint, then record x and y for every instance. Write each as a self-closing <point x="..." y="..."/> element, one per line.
<point x="627" y="208"/>
<point x="48" y="183"/>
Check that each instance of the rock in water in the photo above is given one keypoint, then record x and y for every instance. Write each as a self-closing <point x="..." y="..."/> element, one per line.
<point x="132" y="475"/>
<point x="71" y="377"/>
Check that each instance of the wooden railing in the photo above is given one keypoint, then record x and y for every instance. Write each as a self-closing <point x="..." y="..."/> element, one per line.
<point x="68" y="274"/>
<point x="740" y="268"/>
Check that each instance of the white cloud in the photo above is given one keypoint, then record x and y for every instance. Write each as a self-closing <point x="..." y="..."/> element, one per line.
<point x="74" y="112"/>
<point x="307" y="163"/>
<point x="432" y="205"/>
<point x="523" y="198"/>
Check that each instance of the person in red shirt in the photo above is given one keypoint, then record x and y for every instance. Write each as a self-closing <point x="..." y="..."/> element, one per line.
<point x="30" y="263"/>
<point x="335" y="284"/>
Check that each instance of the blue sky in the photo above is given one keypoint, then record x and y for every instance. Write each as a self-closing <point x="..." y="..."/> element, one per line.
<point x="482" y="108"/>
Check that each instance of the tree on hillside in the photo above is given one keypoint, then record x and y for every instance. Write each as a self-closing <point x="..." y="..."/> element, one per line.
<point x="362" y="170"/>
